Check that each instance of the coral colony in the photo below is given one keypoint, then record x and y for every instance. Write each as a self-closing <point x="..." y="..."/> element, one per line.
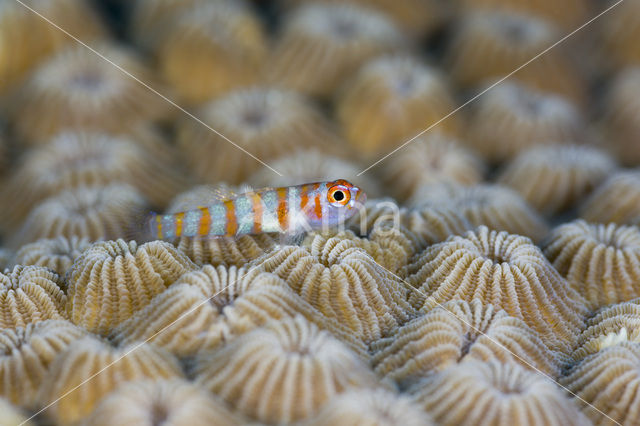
<point x="320" y="212"/>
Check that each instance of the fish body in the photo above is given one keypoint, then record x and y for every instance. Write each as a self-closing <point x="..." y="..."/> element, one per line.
<point x="288" y="210"/>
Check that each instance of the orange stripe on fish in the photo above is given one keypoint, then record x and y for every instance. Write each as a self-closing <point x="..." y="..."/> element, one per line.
<point x="232" y="221"/>
<point x="304" y="198"/>
<point x="159" y="225"/>
<point x="257" y="212"/>
<point x="205" y="221"/>
<point x="179" y="223"/>
<point x="282" y="208"/>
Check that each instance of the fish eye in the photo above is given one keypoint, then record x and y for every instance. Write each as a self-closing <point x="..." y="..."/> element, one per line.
<point x="338" y="195"/>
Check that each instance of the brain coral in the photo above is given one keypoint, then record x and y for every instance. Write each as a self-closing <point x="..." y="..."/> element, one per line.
<point x="555" y="178"/>
<point x="608" y="383"/>
<point x="89" y="369"/>
<point x="220" y="45"/>
<point x="602" y="262"/>
<point x="26" y="38"/>
<point x="27" y="353"/>
<point x="168" y="402"/>
<point x="282" y="372"/>
<point x="511" y="39"/>
<point x="111" y="280"/>
<point x="505" y="270"/>
<point x="29" y="294"/>
<point x="343" y="37"/>
<point x="57" y="254"/>
<point x="616" y="200"/>
<point x="217" y="251"/>
<point x="621" y="109"/>
<point x="347" y="285"/>
<point x="495" y="206"/>
<point x="264" y="121"/>
<point x="206" y="308"/>
<point x="434" y="224"/>
<point x="496" y="394"/>
<point x="511" y="118"/>
<point x="372" y="407"/>
<point x="570" y="14"/>
<point x="431" y="158"/>
<point x="313" y="165"/>
<point x="610" y="326"/>
<point x="96" y="213"/>
<point x="455" y="332"/>
<point x="10" y="415"/>
<point x="77" y="88"/>
<point x="390" y="100"/>
<point x="73" y="159"/>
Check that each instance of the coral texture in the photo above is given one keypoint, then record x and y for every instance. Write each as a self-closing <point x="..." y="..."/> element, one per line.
<point x="89" y="369"/>
<point x="73" y="159"/>
<point x="616" y="200"/>
<point x="555" y="178"/>
<point x="206" y="308"/>
<point x="429" y="159"/>
<point x="76" y="88"/>
<point x="456" y="332"/>
<point x="113" y="279"/>
<point x="347" y="285"/>
<point x="219" y="45"/>
<point x="266" y="122"/>
<point x="169" y="402"/>
<point x="390" y="100"/>
<point x="512" y="117"/>
<point x="30" y="294"/>
<point x="27" y="353"/>
<point x="11" y="415"/>
<point x="608" y="382"/>
<point x="26" y="38"/>
<point x="602" y="262"/>
<point x="505" y="270"/>
<point x="496" y="394"/>
<point x="150" y="18"/>
<point x="570" y="14"/>
<point x="282" y="372"/>
<point x="57" y="254"/>
<point x="342" y="37"/>
<point x="371" y="407"/>
<point x="511" y="39"/>
<point x="95" y="213"/>
<point x="494" y="206"/>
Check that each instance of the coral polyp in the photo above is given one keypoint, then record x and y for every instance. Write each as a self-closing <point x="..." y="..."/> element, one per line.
<point x="502" y="269"/>
<point x="615" y="200"/>
<point x="555" y="178"/>
<point x="77" y="88"/>
<point x="602" y="262"/>
<point x="220" y="45"/>
<point x="342" y="37"/>
<point x="282" y="372"/>
<point x="57" y="254"/>
<point x="111" y="280"/>
<point x="390" y="100"/>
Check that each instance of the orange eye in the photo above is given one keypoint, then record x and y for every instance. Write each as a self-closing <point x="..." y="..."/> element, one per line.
<point x="339" y="195"/>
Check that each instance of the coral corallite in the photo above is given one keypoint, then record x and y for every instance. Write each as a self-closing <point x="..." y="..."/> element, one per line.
<point x="282" y="372"/>
<point x="348" y="286"/>
<point x="90" y="368"/>
<point x="602" y="262"/>
<point x="390" y="100"/>
<point x="205" y="309"/>
<point x="210" y="48"/>
<point x="511" y="39"/>
<point x="609" y="383"/>
<point x="370" y="407"/>
<point x="30" y="294"/>
<point x="555" y="178"/>
<point x="511" y="118"/>
<point x="169" y="402"/>
<point x="266" y="122"/>
<point x="616" y="200"/>
<point x="57" y="254"/>
<point x="112" y="280"/>
<point x="457" y="332"/>
<point x="79" y="89"/>
<point x="495" y="394"/>
<point x="27" y="353"/>
<point x="342" y="37"/>
<point x="505" y="270"/>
